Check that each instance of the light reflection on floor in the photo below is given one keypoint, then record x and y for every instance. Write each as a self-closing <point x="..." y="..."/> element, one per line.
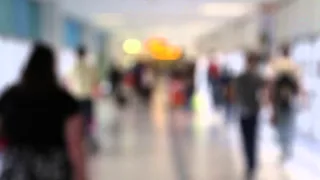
<point x="179" y="145"/>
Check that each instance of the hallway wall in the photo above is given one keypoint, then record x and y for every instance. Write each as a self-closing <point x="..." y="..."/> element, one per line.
<point x="242" y="34"/>
<point x="296" y="19"/>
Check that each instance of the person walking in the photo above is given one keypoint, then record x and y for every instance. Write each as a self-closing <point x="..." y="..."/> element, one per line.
<point x="286" y="86"/>
<point x="214" y="81"/>
<point x="42" y="125"/>
<point x="247" y="87"/>
<point x="84" y="82"/>
<point x="115" y="78"/>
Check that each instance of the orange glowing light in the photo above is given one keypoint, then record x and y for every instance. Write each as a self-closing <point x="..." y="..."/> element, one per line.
<point x="159" y="49"/>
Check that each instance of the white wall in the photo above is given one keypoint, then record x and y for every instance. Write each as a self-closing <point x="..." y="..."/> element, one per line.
<point x="299" y="18"/>
<point x="235" y="36"/>
<point x="52" y="23"/>
<point x="15" y="54"/>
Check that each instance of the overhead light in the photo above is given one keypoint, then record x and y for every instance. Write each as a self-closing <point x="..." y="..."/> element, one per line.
<point x="225" y="9"/>
<point x="132" y="46"/>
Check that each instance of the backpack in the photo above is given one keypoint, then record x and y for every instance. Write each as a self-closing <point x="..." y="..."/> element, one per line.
<point x="286" y="87"/>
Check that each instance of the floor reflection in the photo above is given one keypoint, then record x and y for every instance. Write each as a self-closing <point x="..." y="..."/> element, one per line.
<point x="156" y="142"/>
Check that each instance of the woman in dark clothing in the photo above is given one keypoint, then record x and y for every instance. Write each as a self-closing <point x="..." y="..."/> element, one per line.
<point x="115" y="77"/>
<point x="190" y="83"/>
<point x="42" y="125"/>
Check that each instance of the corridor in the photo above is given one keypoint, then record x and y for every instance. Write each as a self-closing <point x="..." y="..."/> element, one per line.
<point x="157" y="143"/>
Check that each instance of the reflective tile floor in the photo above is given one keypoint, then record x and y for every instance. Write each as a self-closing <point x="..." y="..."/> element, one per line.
<point x="155" y="142"/>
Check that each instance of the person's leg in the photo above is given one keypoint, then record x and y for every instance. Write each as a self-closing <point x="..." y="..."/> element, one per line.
<point x="89" y="123"/>
<point x="248" y="130"/>
<point x="86" y="108"/>
<point x="285" y="128"/>
<point x="83" y="110"/>
<point x="228" y="112"/>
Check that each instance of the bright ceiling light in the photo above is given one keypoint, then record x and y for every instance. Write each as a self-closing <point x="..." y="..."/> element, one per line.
<point x="132" y="46"/>
<point x="225" y="9"/>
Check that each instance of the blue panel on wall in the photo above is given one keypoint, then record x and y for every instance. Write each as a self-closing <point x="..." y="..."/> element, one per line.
<point x="73" y="33"/>
<point x="21" y="17"/>
<point x="6" y="12"/>
<point x="34" y="14"/>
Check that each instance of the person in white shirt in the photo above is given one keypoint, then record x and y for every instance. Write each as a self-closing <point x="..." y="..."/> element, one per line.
<point x="84" y="81"/>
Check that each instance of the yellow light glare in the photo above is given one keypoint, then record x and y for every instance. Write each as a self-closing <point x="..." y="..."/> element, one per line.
<point x="132" y="46"/>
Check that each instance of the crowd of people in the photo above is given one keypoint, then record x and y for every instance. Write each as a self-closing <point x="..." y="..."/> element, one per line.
<point x="45" y="123"/>
<point x="241" y="97"/>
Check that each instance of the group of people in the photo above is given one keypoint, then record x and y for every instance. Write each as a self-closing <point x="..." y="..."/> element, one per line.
<point x="220" y="79"/>
<point x="279" y="88"/>
<point x="140" y="78"/>
<point x="44" y="123"/>
<point x="144" y="78"/>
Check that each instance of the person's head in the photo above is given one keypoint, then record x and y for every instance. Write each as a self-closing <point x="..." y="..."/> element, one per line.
<point x="39" y="71"/>
<point x="285" y="50"/>
<point x="252" y="60"/>
<point x="82" y="52"/>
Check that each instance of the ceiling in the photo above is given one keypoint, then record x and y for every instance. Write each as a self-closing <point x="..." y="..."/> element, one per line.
<point x="181" y="21"/>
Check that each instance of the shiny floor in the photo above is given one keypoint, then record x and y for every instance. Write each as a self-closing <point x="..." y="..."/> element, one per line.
<point x="155" y="142"/>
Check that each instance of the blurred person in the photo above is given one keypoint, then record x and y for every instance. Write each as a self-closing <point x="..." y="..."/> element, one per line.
<point x="42" y="125"/>
<point x="177" y="88"/>
<point x="85" y="80"/>
<point x="137" y="73"/>
<point x="147" y="82"/>
<point x="115" y="78"/>
<point x="247" y="86"/>
<point x="190" y="84"/>
<point x="214" y="81"/>
<point x="225" y="80"/>
<point x="284" y="77"/>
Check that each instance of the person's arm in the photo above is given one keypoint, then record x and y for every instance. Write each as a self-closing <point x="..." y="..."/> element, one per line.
<point x="75" y="146"/>
<point x="234" y="85"/>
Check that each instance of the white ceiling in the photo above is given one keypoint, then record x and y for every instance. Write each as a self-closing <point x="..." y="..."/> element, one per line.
<point x="181" y="21"/>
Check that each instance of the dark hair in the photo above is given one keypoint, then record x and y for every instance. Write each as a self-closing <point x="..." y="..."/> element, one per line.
<point x="82" y="51"/>
<point x="285" y="49"/>
<point x="252" y="58"/>
<point x="39" y="72"/>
